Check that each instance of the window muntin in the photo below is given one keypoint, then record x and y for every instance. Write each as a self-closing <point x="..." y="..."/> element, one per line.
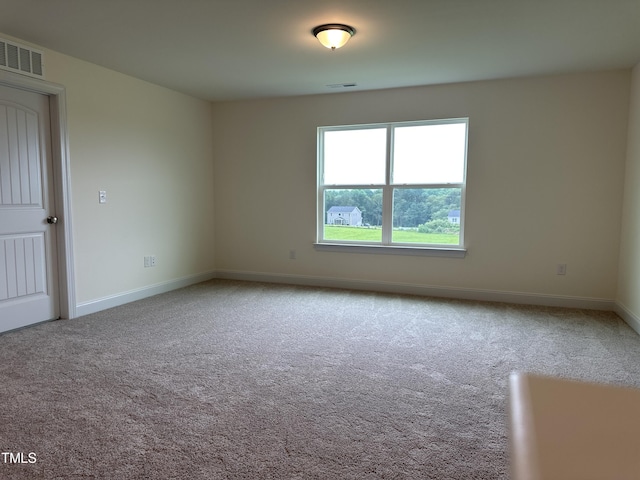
<point x="399" y="184"/>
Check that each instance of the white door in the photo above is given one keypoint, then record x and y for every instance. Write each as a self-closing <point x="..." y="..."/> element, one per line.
<point x="28" y="270"/>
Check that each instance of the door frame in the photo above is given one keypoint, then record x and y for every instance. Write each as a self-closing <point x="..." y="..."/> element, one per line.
<point x="61" y="182"/>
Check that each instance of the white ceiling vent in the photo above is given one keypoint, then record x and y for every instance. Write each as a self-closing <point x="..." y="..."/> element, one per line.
<point x="342" y="85"/>
<point x="18" y="58"/>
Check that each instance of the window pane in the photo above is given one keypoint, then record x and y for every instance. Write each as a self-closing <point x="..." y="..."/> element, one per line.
<point x="429" y="154"/>
<point x="355" y="157"/>
<point x="353" y="215"/>
<point x="426" y="215"/>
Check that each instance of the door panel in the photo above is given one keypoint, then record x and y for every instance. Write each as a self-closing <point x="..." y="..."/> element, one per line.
<point x="20" y="179"/>
<point x="28" y="274"/>
<point x="16" y="252"/>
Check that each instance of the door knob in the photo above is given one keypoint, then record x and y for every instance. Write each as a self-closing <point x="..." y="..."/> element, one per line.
<point x="52" y="220"/>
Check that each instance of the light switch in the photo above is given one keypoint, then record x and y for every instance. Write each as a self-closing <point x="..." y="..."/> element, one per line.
<point x="102" y="196"/>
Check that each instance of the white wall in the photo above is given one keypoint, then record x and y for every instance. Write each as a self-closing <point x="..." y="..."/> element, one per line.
<point x="629" y="281"/>
<point x="545" y="171"/>
<point x="150" y="149"/>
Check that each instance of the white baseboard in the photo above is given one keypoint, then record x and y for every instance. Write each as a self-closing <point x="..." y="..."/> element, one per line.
<point x="424" y="290"/>
<point x="369" y="285"/>
<point x="623" y="312"/>
<point x="111" y="301"/>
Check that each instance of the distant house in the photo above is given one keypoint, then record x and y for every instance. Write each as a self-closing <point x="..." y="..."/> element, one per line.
<point x="454" y="216"/>
<point x="344" y="216"/>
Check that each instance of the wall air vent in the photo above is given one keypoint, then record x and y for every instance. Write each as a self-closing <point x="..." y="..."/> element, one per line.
<point x="22" y="59"/>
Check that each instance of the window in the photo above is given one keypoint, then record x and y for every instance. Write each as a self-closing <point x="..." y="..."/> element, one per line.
<point x="393" y="185"/>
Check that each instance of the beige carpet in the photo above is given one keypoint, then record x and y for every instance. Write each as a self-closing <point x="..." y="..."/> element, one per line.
<point x="234" y="380"/>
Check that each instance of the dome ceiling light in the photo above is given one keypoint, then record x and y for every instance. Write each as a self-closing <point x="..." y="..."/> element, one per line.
<point x="333" y="35"/>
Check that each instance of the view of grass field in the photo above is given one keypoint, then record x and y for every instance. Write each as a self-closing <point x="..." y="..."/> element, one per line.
<point x="374" y="234"/>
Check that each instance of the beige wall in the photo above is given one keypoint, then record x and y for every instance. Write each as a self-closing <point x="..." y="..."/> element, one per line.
<point x="150" y="149"/>
<point x="629" y="281"/>
<point x="545" y="170"/>
<point x="545" y="173"/>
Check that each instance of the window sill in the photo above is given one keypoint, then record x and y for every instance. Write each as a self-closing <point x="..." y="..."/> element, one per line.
<point x="450" y="252"/>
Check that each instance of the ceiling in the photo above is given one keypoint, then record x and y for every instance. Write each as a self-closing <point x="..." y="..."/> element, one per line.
<point x="238" y="49"/>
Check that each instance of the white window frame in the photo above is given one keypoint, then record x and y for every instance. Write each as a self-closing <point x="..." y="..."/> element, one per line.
<point x="386" y="246"/>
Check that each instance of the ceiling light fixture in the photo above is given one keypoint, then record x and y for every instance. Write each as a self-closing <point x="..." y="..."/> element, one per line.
<point x="333" y="35"/>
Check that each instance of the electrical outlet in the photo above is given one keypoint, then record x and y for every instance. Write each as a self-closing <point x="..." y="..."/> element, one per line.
<point x="153" y="260"/>
<point x="292" y="254"/>
<point x="102" y="196"/>
<point x="561" y="269"/>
